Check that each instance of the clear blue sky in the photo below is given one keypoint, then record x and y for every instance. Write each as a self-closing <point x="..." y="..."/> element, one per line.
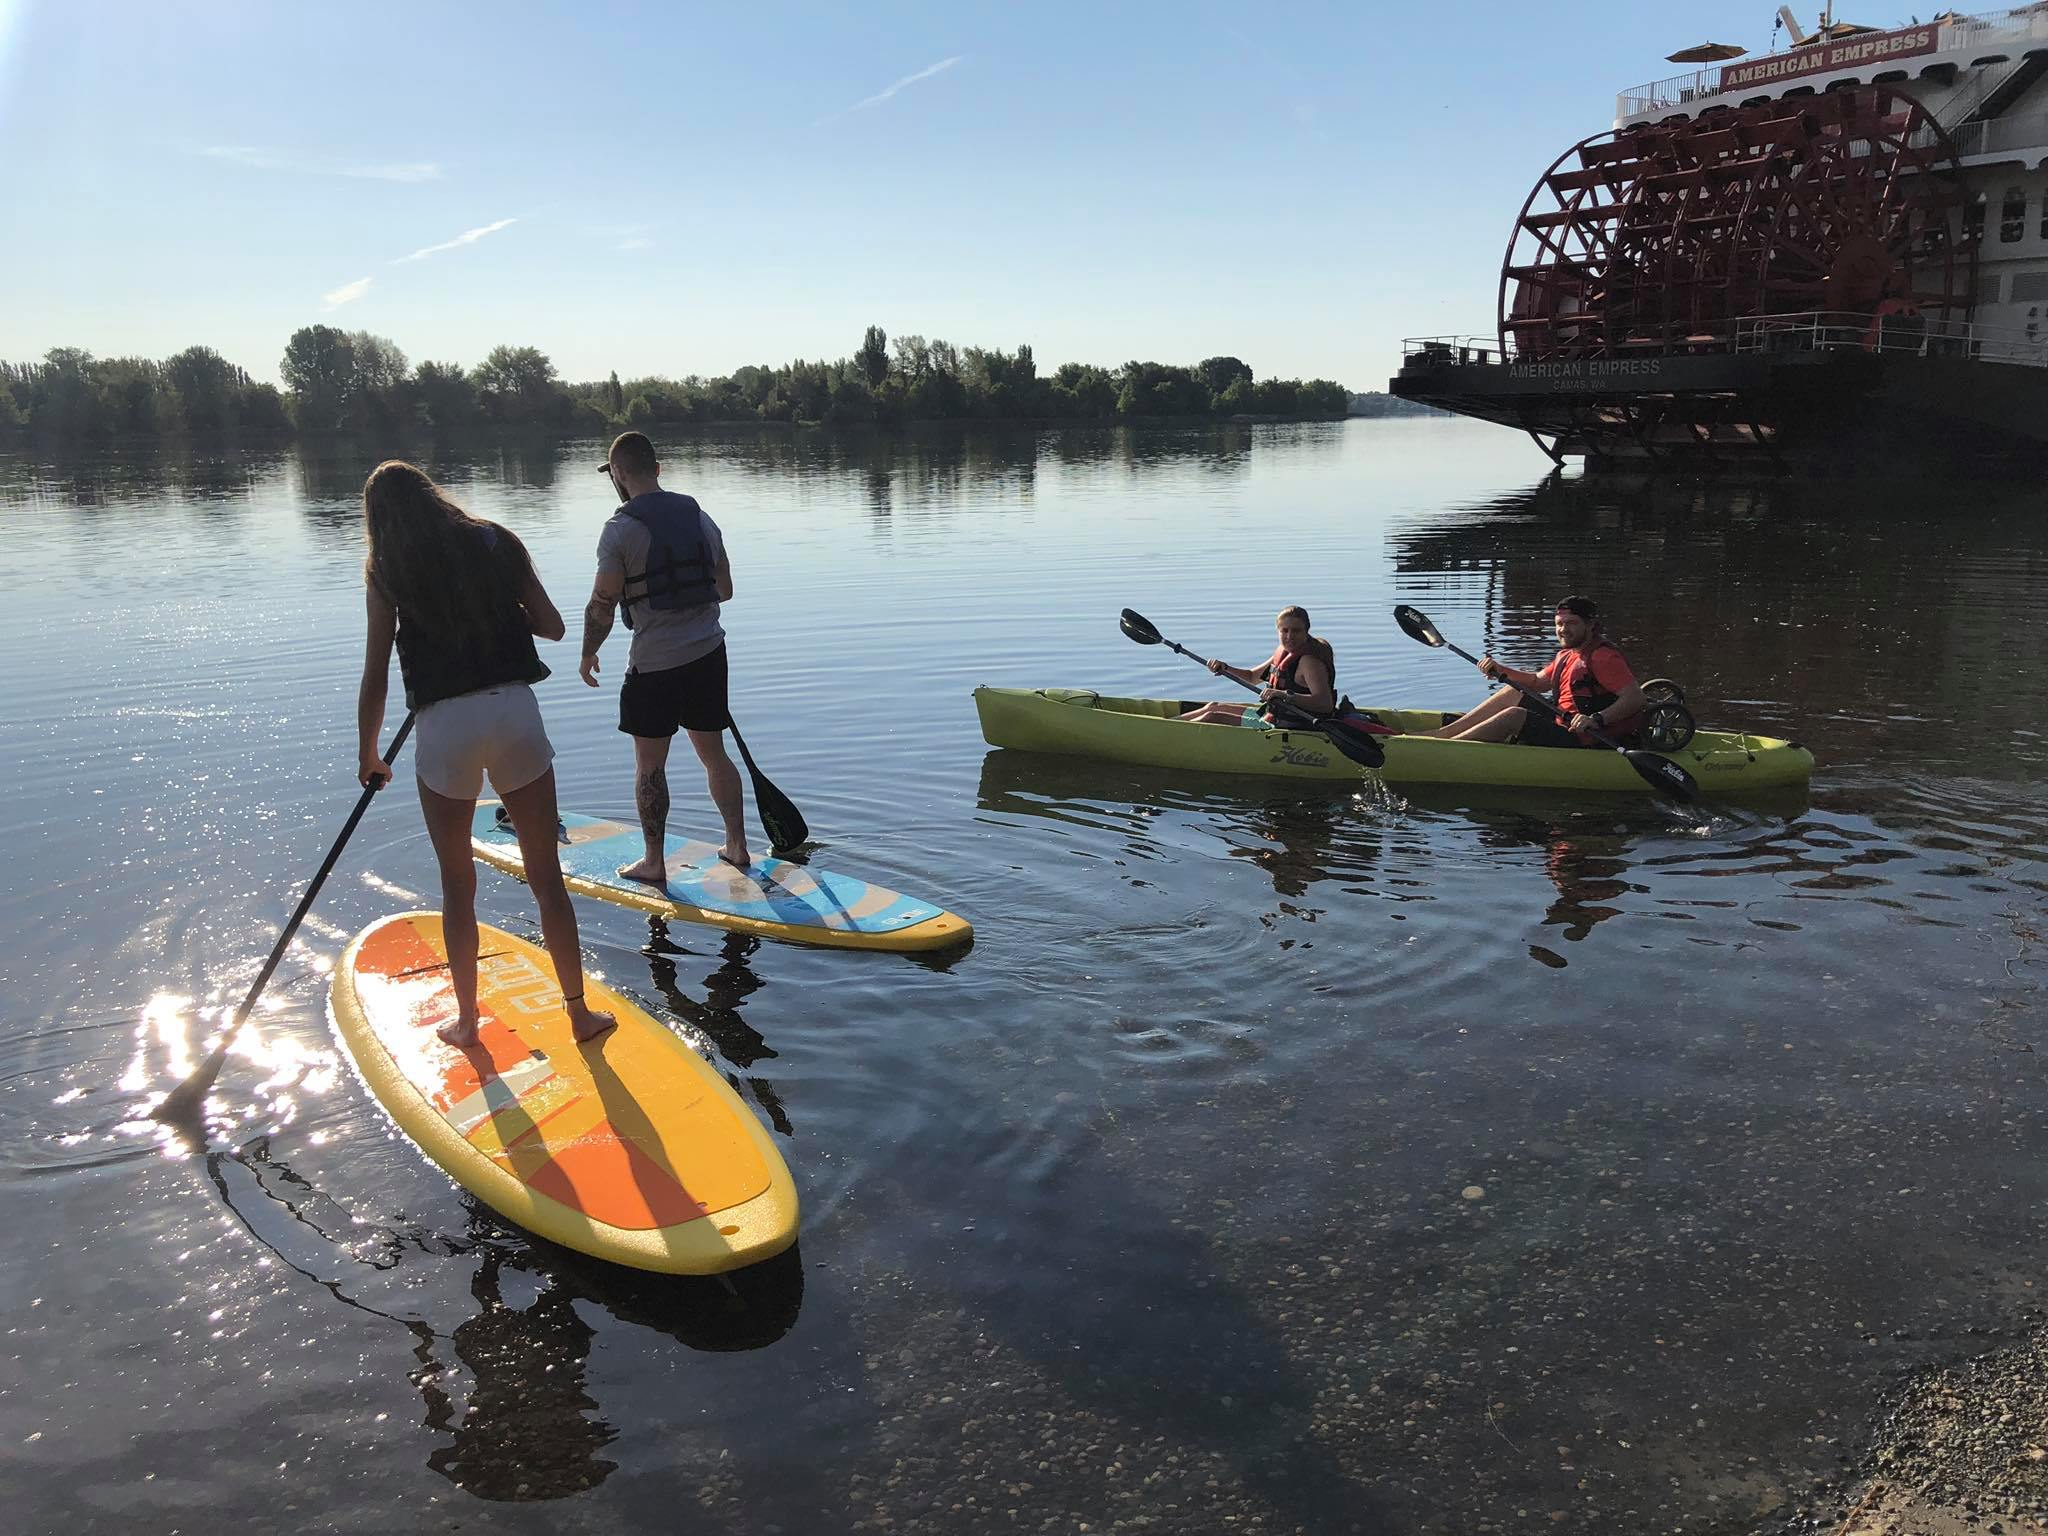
<point x="692" y="188"/>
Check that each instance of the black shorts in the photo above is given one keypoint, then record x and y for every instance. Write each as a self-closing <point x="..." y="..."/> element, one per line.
<point x="690" y="697"/>
<point x="1541" y="729"/>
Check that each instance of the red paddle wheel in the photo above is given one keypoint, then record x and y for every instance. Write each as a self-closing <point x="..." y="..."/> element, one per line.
<point x="1660" y="237"/>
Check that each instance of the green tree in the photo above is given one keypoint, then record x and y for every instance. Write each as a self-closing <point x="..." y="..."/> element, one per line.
<point x="1161" y="389"/>
<point x="1219" y="373"/>
<point x="873" y="357"/>
<point x="443" y="396"/>
<point x="131" y="399"/>
<point x="262" y="409"/>
<point x="64" y="403"/>
<point x="1083" y="391"/>
<point x="209" y="388"/>
<point x="615" y="396"/>
<point x="379" y="363"/>
<point x="517" y="384"/>
<point x="319" y="369"/>
<point x="1324" y="397"/>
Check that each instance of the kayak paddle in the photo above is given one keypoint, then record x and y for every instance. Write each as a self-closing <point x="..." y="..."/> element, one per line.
<point x="1360" y="748"/>
<point x="780" y="819"/>
<point x="1660" y="773"/>
<point x="180" y="1106"/>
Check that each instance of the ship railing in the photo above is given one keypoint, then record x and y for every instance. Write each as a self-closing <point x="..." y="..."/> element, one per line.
<point x="1997" y="135"/>
<point x="1456" y="349"/>
<point x="1920" y="335"/>
<point x="1981" y="30"/>
<point x="1803" y="331"/>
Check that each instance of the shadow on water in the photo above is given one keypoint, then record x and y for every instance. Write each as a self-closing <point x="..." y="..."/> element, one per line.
<point x="505" y="1390"/>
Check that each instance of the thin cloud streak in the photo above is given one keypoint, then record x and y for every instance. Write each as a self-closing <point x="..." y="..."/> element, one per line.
<point x="347" y="293"/>
<point x="883" y="95"/>
<point x="270" y="160"/>
<point x="467" y="237"/>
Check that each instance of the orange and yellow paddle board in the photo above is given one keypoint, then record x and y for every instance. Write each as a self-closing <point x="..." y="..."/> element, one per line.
<point x="632" y="1147"/>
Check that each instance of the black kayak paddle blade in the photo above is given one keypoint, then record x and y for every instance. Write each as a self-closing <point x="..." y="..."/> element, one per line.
<point x="1661" y="774"/>
<point x="1138" y="627"/>
<point x="1415" y="624"/>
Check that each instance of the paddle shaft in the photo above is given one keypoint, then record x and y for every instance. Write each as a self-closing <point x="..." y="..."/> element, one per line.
<point x="1180" y="649"/>
<point x="780" y="819"/>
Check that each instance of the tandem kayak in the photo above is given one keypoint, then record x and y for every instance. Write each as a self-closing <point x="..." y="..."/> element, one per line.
<point x="1076" y="722"/>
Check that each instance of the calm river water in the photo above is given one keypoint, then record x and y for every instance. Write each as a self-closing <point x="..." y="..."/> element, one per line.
<point x="1153" y="1210"/>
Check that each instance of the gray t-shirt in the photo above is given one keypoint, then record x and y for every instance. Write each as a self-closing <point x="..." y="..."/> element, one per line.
<point x="662" y="637"/>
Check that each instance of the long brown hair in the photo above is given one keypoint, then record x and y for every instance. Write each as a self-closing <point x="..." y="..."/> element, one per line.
<point x="1317" y="646"/>
<point x="426" y="556"/>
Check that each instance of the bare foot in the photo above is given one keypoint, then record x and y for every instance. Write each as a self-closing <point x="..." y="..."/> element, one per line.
<point x="461" y="1033"/>
<point x="738" y="860"/>
<point x="586" y="1023"/>
<point x="652" y="871"/>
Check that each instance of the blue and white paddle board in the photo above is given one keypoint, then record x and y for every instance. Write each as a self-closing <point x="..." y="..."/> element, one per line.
<point x="771" y="897"/>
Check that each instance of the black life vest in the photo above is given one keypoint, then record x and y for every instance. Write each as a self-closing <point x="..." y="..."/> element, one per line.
<point x="436" y="666"/>
<point x="679" y="572"/>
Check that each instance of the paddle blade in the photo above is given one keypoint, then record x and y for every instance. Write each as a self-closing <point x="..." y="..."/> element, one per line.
<point x="1138" y="627"/>
<point x="1361" y="747"/>
<point x="1665" y="776"/>
<point x="780" y="819"/>
<point x="1415" y="624"/>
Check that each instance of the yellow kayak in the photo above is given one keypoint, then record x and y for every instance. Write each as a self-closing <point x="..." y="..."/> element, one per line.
<point x="1076" y="722"/>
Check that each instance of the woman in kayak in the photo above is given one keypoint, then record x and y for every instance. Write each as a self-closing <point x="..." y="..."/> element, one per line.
<point x="459" y="597"/>
<point x="1589" y="676"/>
<point x="1302" y="670"/>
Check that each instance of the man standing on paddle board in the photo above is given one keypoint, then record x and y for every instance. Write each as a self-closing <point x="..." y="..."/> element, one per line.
<point x="663" y="560"/>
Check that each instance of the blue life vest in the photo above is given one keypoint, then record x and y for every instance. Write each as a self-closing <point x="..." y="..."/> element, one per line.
<point x="679" y="572"/>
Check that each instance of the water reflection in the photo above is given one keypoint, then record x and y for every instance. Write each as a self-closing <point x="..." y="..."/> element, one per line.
<point x="1854" y="614"/>
<point x="505" y="1392"/>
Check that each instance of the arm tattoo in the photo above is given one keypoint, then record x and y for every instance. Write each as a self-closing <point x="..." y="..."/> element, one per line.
<point x="597" y="623"/>
<point x="650" y="792"/>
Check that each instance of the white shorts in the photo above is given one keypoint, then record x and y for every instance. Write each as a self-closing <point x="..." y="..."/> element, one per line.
<point x="494" y="729"/>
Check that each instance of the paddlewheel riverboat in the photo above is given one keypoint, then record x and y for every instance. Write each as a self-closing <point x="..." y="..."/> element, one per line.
<point x="1834" y="251"/>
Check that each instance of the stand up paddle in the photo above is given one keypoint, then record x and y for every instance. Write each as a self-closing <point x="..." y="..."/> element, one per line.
<point x="1660" y="773"/>
<point x="780" y="819"/>
<point x="1360" y="748"/>
<point x="181" y="1105"/>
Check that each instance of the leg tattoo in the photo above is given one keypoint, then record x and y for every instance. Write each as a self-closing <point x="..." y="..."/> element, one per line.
<point x="650" y="792"/>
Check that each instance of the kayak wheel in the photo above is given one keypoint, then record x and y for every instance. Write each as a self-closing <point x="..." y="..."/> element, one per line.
<point x="1661" y="690"/>
<point x="1667" y="727"/>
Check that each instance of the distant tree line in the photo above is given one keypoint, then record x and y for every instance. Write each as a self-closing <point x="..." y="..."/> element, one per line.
<point x="1378" y="403"/>
<point x="356" y="382"/>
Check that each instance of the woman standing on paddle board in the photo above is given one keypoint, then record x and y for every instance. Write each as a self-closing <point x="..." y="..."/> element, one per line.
<point x="459" y="597"/>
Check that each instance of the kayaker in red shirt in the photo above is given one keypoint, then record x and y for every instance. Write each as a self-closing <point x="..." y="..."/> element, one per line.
<point x="1589" y="677"/>
<point x="1302" y="670"/>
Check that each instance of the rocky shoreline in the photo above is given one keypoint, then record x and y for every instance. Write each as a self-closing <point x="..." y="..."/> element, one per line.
<point x="1963" y="1452"/>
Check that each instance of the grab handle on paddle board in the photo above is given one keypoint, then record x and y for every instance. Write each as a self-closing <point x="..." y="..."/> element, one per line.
<point x="180" y="1106"/>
